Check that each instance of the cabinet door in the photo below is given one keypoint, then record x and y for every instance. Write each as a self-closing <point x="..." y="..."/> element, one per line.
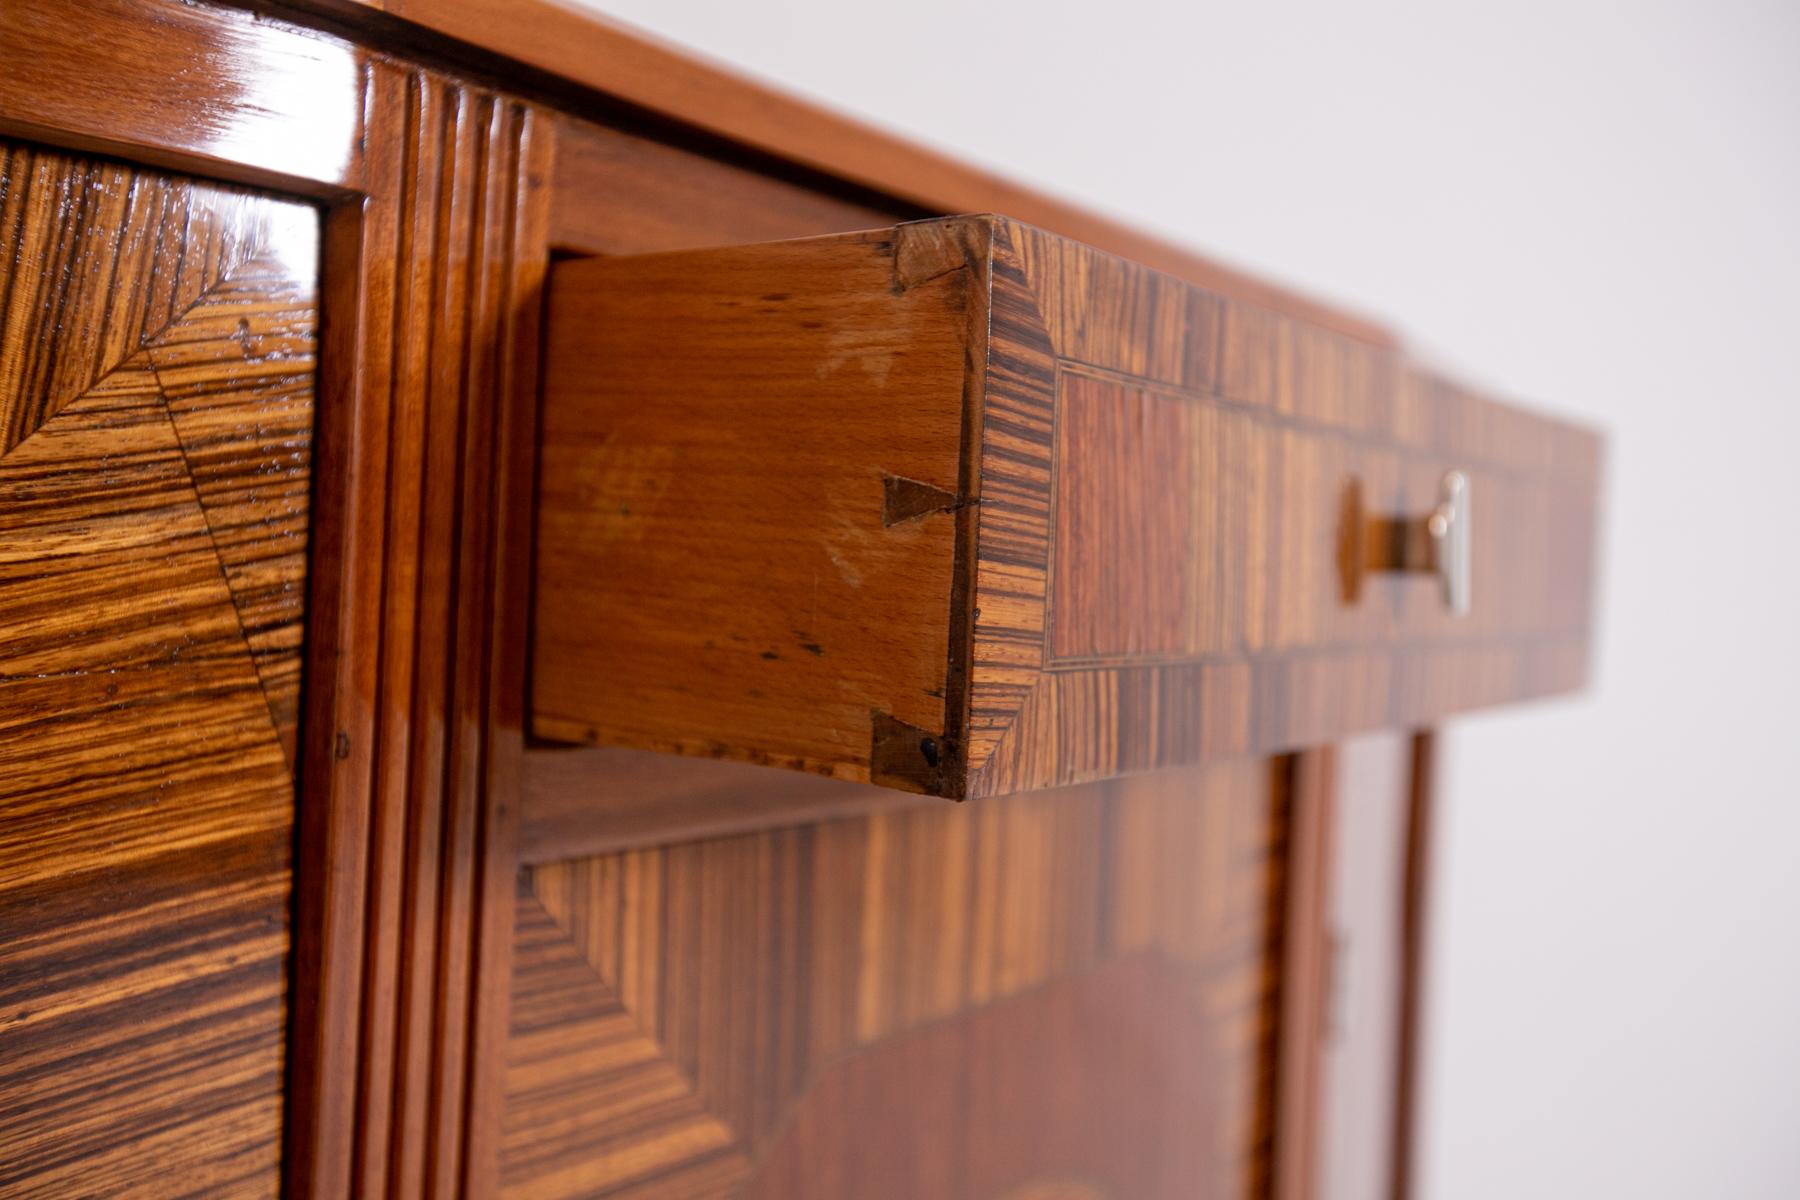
<point x="156" y="408"/>
<point x="1057" y="994"/>
<point x="1350" y="1020"/>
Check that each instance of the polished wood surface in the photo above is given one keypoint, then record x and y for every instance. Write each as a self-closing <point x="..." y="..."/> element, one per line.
<point x="966" y="508"/>
<point x="1305" y="979"/>
<point x="1352" y="1003"/>
<point x="1415" y="932"/>
<point x="157" y="376"/>
<point x="579" y="801"/>
<point x="930" y="1002"/>
<point x="415" y="662"/>
<point x="584" y="47"/>
<point x="195" y="86"/>
<point x="92" y="275"/>
<point x="1105" y="1084"/>
<point x="615" y="192"/>
<point x="220" y="569"/>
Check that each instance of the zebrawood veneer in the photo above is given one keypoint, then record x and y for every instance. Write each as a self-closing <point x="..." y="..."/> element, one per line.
<point x="944" y="1002"/>
<point x="156" y="384"/>
<point x="966" y="508"/>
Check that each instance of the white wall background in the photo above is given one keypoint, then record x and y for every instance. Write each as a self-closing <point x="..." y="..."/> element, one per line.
<point x="1590" y="204"/>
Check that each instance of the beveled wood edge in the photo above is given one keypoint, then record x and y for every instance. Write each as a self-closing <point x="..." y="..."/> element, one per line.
<point x="603" y="56"/>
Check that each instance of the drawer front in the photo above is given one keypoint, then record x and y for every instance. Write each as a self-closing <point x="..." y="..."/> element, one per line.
<point x="1191" y="504"/>
<point x="966" y="508"/>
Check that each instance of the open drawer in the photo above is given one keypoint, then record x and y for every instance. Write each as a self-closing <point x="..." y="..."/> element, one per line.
<point x="963" y="507"/>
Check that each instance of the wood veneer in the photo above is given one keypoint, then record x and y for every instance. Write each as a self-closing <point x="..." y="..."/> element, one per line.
<point x="196" y="87"/>
<point x="617" y="63"/>
<point x="576" y="802"/>
<point x="1305" y="969"/>
<point x="965" y="508"/>
<point x="1417" y="890"/>
<point x="615" y="192"/>
<point x="145" y="917"/>
<point x="1351" y="1003"/>
<point x="868" y="1006"/>
<point x="157" y="384"/>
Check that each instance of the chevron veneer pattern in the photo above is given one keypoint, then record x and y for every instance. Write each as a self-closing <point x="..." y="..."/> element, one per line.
<point x="674" y="1007"/>
<point x="156" y="385"/>
<point x="100" y="257"/>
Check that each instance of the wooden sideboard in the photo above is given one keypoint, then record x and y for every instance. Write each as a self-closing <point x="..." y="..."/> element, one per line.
<point x="513" y="545"/>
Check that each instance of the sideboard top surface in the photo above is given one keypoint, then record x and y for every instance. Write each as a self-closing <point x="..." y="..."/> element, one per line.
<point x="675" y="84"/>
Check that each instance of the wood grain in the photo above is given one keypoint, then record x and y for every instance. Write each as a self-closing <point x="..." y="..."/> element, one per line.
<point x="793" y="1008"/>
<point x="1106" y="1080"/>
<point x="619" y="193"/>
<point x="1285" y="417"/>
<point x="740" y="530"/>
<point x="756" y="541"/>
<point x="194" y="87"/>
<point x="154" y="521"/>
<point x="146" y="803"/>
<point x="416" y="663"/>
<point x="580" y="801"/>
<point x="1129" y="573"/>
<point x="237" y="373"/>
<point x="92" y="275"/>
<point x="435" y="241"/>
<point x="618" y="63"/>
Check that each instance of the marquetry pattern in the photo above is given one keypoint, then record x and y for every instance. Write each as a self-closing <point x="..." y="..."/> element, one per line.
<point x="677" y="1009"/>
<point x="1160" y="544"/>
<point x="157" y="390"/>
<point x="101" y="257"/>
<point x="1167" y="482"/>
